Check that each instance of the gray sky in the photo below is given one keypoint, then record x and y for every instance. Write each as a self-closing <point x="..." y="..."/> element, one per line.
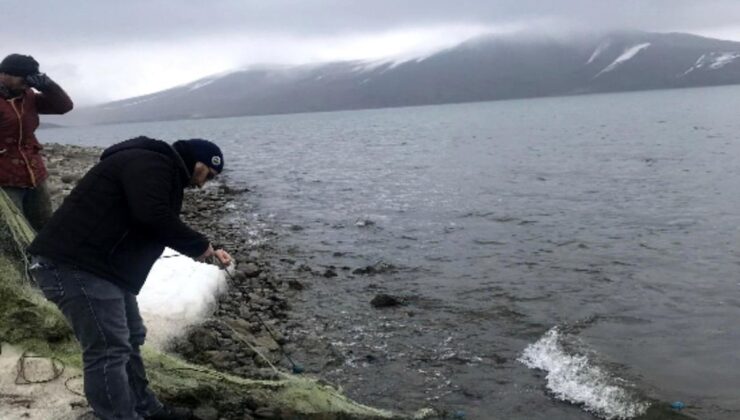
<point x="103" y="50"/>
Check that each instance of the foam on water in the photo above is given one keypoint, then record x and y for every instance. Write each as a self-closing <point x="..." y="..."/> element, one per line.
<point x="576" y="379"/>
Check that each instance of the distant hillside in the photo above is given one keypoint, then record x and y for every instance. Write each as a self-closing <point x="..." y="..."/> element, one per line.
<point x="485" y="68"/>
<point x="50" y="125"/>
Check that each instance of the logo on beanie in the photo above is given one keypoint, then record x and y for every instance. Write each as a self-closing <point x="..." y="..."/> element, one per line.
<point x="216" y="161"/>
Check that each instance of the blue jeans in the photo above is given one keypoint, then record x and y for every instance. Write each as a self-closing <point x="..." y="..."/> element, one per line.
<point x="107" y="323"/>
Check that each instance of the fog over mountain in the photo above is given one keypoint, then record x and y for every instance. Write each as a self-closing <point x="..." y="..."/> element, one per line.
<point x="485" y="68"/>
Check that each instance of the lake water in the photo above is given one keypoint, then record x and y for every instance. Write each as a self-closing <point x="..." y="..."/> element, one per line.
<point x="561" y="258"/>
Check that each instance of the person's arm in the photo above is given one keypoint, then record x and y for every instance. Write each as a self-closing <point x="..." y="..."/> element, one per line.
<point x="51" y="99"/>
<point x="148" y="184"/>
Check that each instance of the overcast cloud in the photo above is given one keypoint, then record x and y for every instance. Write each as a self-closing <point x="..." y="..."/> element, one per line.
<point x="103" y="50"/>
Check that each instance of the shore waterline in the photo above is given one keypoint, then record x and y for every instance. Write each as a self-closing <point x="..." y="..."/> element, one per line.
<point x="501" y="221"/>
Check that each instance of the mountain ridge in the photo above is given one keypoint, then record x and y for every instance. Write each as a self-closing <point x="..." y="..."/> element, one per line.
<point x="484" y="68"/>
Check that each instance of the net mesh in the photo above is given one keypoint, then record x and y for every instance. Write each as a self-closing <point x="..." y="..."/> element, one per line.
<point x="24" y="313"/>
<point x="15" y="236"/>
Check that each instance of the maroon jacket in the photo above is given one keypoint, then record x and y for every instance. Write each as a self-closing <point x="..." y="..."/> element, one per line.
<point x="21" y="164"/>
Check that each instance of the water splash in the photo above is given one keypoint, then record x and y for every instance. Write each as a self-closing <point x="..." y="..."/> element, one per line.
<point x="576" y="379"/>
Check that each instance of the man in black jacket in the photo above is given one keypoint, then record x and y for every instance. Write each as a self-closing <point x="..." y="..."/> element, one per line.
<point x="92" y="258"/>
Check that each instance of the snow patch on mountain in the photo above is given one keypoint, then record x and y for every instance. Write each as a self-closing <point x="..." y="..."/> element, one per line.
<point x="713" y="61"/>
<point x="201" y="83"/>
<point x="627" y="55"/>
<point x="133" y="101"/>
<point x="367" y="66"/>
<point x="598" y="51"/>
<point x="724" y="59"/>
<point x="699" y="64"/>
<point x="389" y="63"/>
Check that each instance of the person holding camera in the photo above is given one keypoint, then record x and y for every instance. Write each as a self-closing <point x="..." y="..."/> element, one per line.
<point x="24" y="94"/>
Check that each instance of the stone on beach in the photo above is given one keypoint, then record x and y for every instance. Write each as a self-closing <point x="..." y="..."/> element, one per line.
<point x="385" y="301"/>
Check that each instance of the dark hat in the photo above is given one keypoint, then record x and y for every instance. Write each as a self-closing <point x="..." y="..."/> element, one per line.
<point x="19" y="65"/>
<point x="199" y="150"/>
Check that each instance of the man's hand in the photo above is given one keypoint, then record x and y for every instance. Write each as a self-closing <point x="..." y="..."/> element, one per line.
<point x="38" y="81"/>
<point x="223" y="257"/>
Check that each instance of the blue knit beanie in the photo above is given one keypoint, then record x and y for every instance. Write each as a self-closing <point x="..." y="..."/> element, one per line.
<point x="200" y="150"/>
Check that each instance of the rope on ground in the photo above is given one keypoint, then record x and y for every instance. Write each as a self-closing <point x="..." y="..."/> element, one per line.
<point x="189" y="369"/>
<point x="254" y="349"/>
<point x="214" y="374"/>
<point x="22" y="379"/>
<point x="66" y="385"/>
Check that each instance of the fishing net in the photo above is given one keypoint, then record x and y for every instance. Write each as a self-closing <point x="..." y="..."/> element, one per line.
<point x="37" y="327"/>
<point x="24" y="313"/>
<point x="15" y="236"/>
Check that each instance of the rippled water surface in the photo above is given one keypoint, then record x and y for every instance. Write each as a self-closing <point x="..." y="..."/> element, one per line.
<point x="582" y="249"/>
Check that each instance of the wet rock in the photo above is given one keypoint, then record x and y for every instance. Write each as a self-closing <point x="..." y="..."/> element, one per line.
<point x="266" y="342"/>
<point x="247" y="312"/>
<point x="251" y="270"/>
<point x="206" y="412"/>
<point x="70" y="178"/>
<point x="203" y="339"/>
<point x="225" y="189"/>
<point x="329" y="273"/>
<point x="259" y="360"/>
<point x="296" y="285"/>
<point x="219" y="359"/>
<point x="304" y="268"/>
<point x="369" y="270"/>
<point x="377" y="268"/>
<point x="385" y="301"/>
<point x="183" y="347"/>
<point x="239" y="325"/>
<point x="245" y="353"/>
<point x="266" y="413"/>
<point x="280" y="338"/>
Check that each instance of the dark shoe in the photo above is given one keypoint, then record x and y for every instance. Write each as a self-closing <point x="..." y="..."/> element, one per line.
<point x="171" y="413"/>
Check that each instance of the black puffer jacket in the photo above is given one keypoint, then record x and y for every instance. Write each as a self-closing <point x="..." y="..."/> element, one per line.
<point x="123" y="212"/>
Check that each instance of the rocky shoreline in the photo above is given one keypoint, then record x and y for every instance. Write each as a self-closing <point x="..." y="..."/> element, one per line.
<point x="235" y="338"/>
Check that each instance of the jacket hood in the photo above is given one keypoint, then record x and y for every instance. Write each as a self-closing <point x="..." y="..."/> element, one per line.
<point x="146" y="143"/>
